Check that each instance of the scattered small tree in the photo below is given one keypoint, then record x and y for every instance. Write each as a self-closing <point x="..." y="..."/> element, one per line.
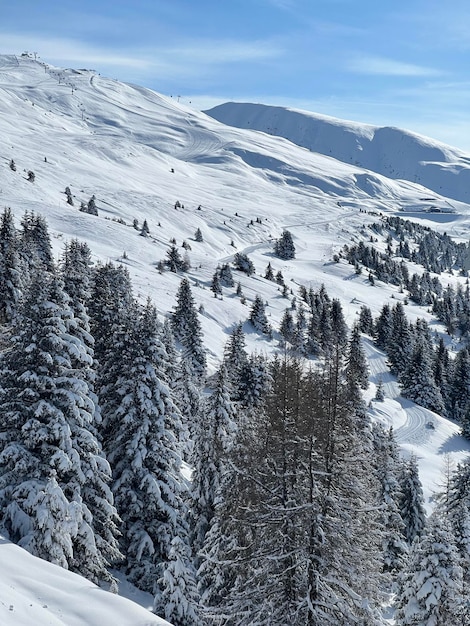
<point x="258" y="316"/>
<point x="284" y="246"/>
<point x="243" y="263"/>
<point x="68" y="193"/>
<point x="145" y="230"/>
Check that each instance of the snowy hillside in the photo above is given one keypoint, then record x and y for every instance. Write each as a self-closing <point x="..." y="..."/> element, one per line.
<point x="392" y="152"/>
<point x="33" y="591"/>
<point x="144" y="156"/>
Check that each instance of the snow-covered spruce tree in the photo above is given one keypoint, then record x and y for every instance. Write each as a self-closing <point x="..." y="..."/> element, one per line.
<point x="258" y="316"/>
<point x="400" y="345"/>
<point x="235" y="359"/>
<point x="214" y="438"/>
<point x="187" y="330"/>
<point x="109" y="306"/>
<point x="300" y="330"/>
<point x="243" y="263"/>
<point x="287" y="328"/>
<point x="187" y="397"/>
<point x="388" y="466"/>
<point x="269" y="273"/>
<point x="380" y="392"/>
<point x="255" y="382"/>
<point x="175" y="262"/>
<point x="417" y="380"/>
<point x="284" y="247"/>
<point x="180" y="598"/>
<point x="76" y="272"/>
<point x="383" y="327"/>
<point x="144" y="456"/>
<point x="459" y="395"/>
<point x="225" y="276"/>
<point x="442" y="371"/>
<point x="412" y="500"/>
<point x="170" y="365"/>
<point x="456" y="504"/>
<point x="34" y="244"/>
<point x="430" y="590"/>
<point x="177" y="375"/>
<point x="215" y="285"/>
<point x="366" y="322"/>
<point x="10" y="269"/>
<point x="47" y="432"/>
<point x="356" y="360"/>
<point x="145" y="230"/>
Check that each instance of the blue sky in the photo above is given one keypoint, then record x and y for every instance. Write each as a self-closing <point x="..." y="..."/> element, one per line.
<point x="399" y="63"/>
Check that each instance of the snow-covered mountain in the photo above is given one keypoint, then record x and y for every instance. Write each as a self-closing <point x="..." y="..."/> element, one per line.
<point x="145" y="156"/>
<point x="391" y="152"/>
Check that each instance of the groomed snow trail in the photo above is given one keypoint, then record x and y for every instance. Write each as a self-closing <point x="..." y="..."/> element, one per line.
<point x="436" y="448"/>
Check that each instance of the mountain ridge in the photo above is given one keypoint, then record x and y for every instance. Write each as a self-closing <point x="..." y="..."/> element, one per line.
<point x="416" y="158"/>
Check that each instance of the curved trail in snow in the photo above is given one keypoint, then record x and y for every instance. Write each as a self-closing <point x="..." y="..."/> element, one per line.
<point x="433" y="447"/>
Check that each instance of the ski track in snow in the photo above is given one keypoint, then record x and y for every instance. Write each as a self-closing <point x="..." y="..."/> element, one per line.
<point x="435" y="447"/>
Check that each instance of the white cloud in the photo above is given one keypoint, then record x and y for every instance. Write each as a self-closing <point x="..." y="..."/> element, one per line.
<point x="388" y="67"/>
<point x="196" y="58"/>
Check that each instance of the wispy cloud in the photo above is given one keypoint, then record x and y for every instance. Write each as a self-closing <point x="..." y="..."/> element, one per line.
<point x="193" y="58"/>
<point x="388" y="67"/>
<point x="62" y="51"/>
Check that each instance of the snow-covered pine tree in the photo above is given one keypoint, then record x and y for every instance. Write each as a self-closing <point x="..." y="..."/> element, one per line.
<point x="235" y="359"/>
<point x="258" y="316"/>
<point x="215" y="284"/>
<point x="187" y="330"/>
<point x="412" y="500"/>
<point x="430" y="590"/>
<point x="383" y="327"/>
<point x="10" y="268"/>
<point x="213" y="440"/>
<point x="180" y="597"/>
<point x="35" y="246"/>
<point x="284" y="247"/>
<point x="400" y="345"/>
<point x="46" y="417"/>
<point x="417" y="380"/>
<point x="144" y="455"/>
<point x="225" y="276"/>
<point x="287" y="328"/>
<point x="366" y="322"/>
<point x="459" y="395"/>
<point x="388" y="467"/>
<point x="356" y="362"/>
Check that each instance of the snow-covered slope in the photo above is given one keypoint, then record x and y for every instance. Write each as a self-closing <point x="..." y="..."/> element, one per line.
<point x="392" y="152"/>
<point x="141" y="153"/>
<point x="36" y="593"/>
